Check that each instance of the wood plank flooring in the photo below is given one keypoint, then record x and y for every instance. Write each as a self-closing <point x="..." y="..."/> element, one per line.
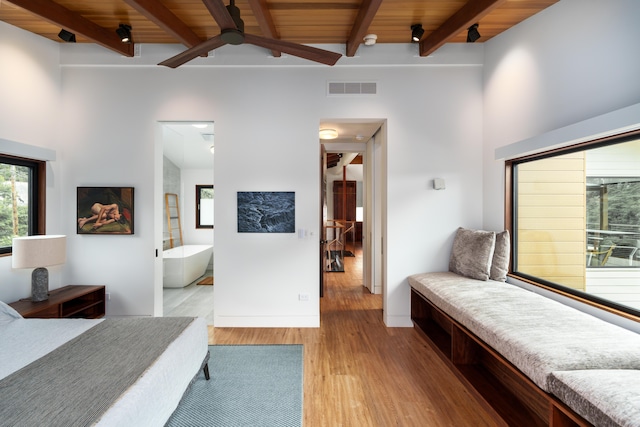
<point x="358" y="372"/>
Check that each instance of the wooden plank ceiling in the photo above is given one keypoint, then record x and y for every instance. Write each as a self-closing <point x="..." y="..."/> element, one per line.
<point x="190" y="22"/>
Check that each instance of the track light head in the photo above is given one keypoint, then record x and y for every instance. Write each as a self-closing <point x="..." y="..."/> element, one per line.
<point x="124" y="32"/>
<point x="472" y="33"/>
<point x="67" y="36"/>
<point x="416" y="32"/>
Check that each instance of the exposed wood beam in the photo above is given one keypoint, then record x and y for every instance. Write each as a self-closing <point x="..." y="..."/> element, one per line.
<point x="219" y="11"/>
<point x="265" y="21"/>
<point x="361" y="25"/>
<point x="75" y="23"/>
<point x="468" y="15"/>
<point x="160" y="15"/>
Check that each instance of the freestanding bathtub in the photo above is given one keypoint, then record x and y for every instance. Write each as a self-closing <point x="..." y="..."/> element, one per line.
<point x="184" y="264"/>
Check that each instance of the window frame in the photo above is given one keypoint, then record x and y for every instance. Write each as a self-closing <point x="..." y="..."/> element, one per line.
<point x="37" y="195"/>
<point x="510" y="224"/>
<point x="199" y="188"/>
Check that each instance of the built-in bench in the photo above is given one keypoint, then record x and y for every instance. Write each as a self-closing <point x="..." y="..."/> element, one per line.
<point x="528" y="359"/>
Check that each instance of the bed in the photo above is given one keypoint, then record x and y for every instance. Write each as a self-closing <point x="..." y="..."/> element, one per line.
<point x="103" y="372"/>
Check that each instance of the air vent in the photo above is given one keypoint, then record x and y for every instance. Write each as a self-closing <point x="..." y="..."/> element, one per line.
<point x="353" y="88"/>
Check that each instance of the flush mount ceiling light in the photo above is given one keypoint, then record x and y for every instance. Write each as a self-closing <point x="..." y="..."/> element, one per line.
<point x="67" y="36"/>
<point x="328" y="134"/>
<point x="124" y="32"/>
<point x="472" y="33"/>
<point x="416" y="32"/>
<point x="370" y="39"/>
<point x="200" y="125"/>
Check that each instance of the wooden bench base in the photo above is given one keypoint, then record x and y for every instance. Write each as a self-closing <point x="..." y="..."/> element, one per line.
<point x="510" y="396"/>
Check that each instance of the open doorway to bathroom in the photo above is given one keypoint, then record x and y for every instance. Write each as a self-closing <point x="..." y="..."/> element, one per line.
<point x="187" y="219"/>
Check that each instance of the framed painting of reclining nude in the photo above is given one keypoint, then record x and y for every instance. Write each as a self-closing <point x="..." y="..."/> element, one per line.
<point x="105" y="210"/>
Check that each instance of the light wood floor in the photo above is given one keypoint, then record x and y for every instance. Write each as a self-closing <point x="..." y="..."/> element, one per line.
<point x="358" y="372"/>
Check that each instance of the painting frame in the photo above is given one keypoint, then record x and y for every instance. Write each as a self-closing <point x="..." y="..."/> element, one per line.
<point x="266" y="212"/>
<point x="105" y="210"/>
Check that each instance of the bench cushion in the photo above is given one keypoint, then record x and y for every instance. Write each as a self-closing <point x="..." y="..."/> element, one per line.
<point x="536" y="334"/>
<point x="602" y="397"/>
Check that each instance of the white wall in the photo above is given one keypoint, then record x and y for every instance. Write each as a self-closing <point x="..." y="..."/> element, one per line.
<point x="109" y="133"/>
<point x="29" y="113"/>
<point x="573" y="61"/>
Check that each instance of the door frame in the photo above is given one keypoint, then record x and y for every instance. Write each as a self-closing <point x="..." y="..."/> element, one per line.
<point x="374" y="153"/>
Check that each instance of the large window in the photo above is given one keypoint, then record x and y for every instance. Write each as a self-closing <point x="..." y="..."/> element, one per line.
<point x="21" y="199"/>
<point x="576" y="221"/>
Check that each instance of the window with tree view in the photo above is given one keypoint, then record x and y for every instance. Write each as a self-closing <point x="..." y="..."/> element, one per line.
<point x="19" y="190"/>
<point x="204" y="206"/>
<point x="576" y="221"/>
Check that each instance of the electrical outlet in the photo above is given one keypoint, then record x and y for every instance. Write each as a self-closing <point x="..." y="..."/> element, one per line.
<point x="303" y="297"/>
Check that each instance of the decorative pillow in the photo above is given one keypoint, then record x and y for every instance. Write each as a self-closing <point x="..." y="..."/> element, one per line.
<point x="7" y="314"/>
<point x="500" y="262"/>
<point x="472" y="253"/>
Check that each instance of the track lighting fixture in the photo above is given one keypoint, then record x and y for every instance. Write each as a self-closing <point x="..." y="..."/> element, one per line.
<point x="416" y="32"/>
<point x="472" y="33"/>
<point x="67" y="36"/>
<point x="124" y="32"/>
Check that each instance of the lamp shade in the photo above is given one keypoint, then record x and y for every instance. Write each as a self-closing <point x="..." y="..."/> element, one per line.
<point x="38" y="251"/>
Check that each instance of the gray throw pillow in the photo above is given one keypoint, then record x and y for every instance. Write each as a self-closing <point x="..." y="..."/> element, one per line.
<point x="472" y="253"/>
<point x="500" y="263"/>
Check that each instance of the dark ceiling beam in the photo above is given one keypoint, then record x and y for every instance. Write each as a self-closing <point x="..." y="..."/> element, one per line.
<point x="75" y="23"/>
<point x="265" y="21"/>
<point x="219" y="11"/>
<point x="366" y="13"/>
<point x="468" y="15"/>
<point x="160" y="15"/>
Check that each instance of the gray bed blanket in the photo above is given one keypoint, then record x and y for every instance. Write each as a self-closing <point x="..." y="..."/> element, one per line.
<point x="76" y="383"/>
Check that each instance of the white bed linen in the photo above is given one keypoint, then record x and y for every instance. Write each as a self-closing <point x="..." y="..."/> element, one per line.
<point x="150" y="401"/>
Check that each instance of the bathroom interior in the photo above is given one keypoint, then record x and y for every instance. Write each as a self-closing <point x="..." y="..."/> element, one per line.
<point x="188" y="220"/>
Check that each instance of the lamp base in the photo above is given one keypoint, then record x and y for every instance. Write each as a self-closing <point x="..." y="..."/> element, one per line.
<point x="40" y="284"/>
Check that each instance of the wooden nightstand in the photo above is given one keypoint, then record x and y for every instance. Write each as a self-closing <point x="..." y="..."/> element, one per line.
<point x="69" y="301"/>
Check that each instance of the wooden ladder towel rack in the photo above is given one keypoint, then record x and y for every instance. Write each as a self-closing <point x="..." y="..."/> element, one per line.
<point x="173" y="217"/>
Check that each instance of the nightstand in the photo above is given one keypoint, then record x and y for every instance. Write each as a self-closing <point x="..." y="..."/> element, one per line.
<point x="70" y="301"/>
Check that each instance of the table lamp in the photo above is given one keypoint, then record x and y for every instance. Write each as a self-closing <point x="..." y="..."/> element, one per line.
<point x="39" y="252"/>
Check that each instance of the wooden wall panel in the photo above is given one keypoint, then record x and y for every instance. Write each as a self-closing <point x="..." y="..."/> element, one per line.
<point x="551" y="219"/>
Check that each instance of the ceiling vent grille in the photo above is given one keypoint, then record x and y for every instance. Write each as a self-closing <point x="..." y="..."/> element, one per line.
<point x="352" y="88"/>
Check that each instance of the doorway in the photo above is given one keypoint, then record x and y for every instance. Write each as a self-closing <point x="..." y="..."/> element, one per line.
<point x="184" y="276"/>
<point x="353" y="200"/>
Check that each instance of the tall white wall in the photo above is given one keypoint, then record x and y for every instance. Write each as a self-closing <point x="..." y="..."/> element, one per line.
<point x="109" y="137"/>
<point x="573" y="61"/>
<point x="259" y="277"/>
<point x="29" y="113"/>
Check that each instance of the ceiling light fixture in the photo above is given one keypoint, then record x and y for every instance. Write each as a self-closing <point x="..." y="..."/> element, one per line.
<point x="328" y="134"/>
<point x="472" y="33"/>
<point x="67" y="36"/>
<point x="199" y="125"/>
<point x="124" y="32"/>
<point x="370" y="39"/>
<point x="416" y="32"/>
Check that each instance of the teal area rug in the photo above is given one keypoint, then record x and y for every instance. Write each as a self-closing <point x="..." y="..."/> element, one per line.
<point x="250" y="385"/>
